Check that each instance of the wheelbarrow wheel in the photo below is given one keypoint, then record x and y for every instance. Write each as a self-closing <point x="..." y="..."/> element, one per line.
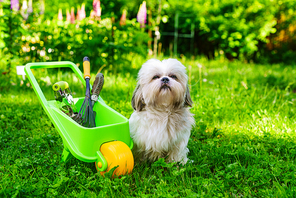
<point x="118" y="154"/>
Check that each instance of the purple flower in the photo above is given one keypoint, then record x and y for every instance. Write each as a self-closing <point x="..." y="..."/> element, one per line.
<point x="30" y="7"/>
<point x="142" y="14"/>
<point x="15" y="5"/>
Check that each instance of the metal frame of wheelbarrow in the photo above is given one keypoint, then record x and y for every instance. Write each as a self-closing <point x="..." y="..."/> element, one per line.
<point x="83" y="143"/>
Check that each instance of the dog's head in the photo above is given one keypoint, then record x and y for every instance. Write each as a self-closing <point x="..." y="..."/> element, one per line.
<point x="162" y="84"/>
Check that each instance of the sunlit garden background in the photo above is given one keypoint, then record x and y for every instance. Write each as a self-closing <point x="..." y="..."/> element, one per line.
<point x="240" y="58"/>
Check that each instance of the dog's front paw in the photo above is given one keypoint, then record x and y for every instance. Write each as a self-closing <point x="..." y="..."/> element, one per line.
<point x="184" y="161"/>
<point x="190" y="161"/>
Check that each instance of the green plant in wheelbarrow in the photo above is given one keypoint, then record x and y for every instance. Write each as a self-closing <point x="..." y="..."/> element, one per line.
<point x="64" y="98"/>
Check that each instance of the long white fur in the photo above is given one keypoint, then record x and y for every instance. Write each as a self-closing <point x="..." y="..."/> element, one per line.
<point x="161" y="123"/>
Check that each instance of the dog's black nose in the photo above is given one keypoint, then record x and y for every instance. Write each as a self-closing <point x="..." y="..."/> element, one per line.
<point x="165" y="80"/>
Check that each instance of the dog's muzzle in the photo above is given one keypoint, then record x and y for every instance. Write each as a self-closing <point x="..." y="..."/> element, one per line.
<point x="165" y="83"/>
<point x="165" y="80"/>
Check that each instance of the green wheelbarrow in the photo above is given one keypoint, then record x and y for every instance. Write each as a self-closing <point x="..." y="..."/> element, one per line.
<point x="108" y="144"/>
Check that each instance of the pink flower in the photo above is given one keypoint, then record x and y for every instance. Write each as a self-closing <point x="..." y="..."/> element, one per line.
<point x="92" y="14"/>
<point x="82" y="11"/>
<point x="60" y="16"/>
<point x="123" y="17"/>
<point x="78" y="13"/>
<point x="68" y="15"/>
<point x="97" y="8"/>
<point x="24" y="10"/>
<point x="142" y="14"/>
<point x="72" y="15"/>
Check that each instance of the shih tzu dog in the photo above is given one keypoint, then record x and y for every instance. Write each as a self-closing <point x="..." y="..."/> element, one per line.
<point x="161" y="122"/>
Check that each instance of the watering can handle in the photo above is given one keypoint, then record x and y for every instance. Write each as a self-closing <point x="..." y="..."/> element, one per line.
<point x="43" y="65"/>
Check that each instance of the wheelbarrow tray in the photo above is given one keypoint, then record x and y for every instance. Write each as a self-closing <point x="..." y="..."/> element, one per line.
<point x="83" y="143"/>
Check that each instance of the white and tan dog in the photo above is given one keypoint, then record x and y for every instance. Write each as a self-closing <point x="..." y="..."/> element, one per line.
<point x="161" y="123"/>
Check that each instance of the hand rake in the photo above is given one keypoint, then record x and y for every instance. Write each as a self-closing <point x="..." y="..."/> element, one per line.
<point x="86" y="116"/>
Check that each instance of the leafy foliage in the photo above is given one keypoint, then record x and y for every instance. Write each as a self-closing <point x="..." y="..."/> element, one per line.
<point x="42" y="38"/>
<point x="247" y="30"/>
<point x="106" y="44"/>
<point x="11" y="31"/>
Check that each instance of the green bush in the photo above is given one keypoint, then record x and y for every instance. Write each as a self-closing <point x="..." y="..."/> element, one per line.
<point x="39" y="38"/>
<point x="11" y="31"/>
<point x="105" y="43"/>
<point x="235" y="28"/>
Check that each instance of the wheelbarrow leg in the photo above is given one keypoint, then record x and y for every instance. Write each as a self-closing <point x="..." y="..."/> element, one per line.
<point x="66" y="154"/>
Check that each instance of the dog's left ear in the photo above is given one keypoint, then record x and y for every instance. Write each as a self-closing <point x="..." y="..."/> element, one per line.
<point x="138" y="103"/>
<point x="188" y="101"/>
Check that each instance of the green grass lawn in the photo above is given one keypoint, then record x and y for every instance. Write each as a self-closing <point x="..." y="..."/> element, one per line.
<point x="243" y="145"/>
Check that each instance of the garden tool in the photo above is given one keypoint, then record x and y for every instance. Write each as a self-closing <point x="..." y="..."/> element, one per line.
<point x="97" y="87"/>
<point x="64" y="98"/>
<point x="86" y="111"/>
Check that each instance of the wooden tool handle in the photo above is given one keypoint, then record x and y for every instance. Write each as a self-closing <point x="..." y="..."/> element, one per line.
<point x="86" y="67"/>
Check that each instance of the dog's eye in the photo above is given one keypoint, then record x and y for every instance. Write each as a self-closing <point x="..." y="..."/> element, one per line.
<point x="173" y="76"/>
<point x="155" y="77"/>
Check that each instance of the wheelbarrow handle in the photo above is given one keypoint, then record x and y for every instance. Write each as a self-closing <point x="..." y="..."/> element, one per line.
<point x="43" y="65"/>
